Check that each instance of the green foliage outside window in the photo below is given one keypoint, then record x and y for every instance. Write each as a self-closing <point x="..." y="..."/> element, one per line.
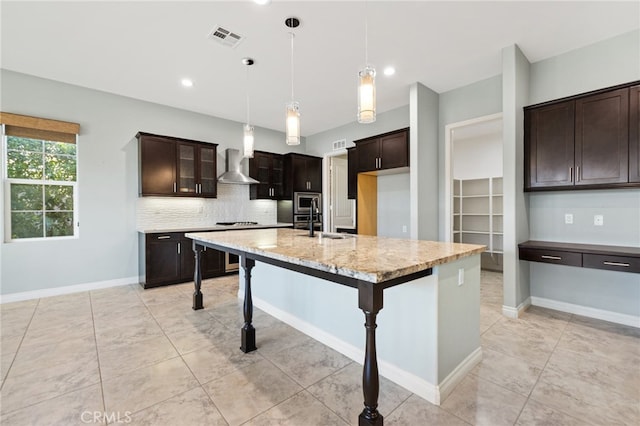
<point x="44" y="208"/>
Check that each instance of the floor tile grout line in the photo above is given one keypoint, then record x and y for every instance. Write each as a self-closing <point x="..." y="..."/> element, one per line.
<point x="542" y="371"/>
<point x="15" y="355"/>
<point x="95" y="339"/>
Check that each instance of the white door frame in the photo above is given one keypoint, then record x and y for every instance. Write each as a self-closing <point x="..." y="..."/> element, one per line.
<point x="326" y="184"/>
<point x="448" y="167"/>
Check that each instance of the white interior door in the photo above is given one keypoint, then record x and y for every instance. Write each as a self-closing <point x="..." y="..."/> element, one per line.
<point x="342" y="209"/>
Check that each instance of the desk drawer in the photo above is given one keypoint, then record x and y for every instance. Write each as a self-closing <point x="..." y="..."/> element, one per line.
<point x="551" y="256"/>
<point x="611" y="263"/>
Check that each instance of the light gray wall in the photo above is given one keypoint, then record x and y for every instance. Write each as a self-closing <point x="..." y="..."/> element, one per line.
<point x="424" y="104"/>
<point x="515" y="95"/>
<point x="610" y="62"/>
<point x="106" y="250"/>
<point x="607" y="63"/>
<point x="475" y="100"/>
<point x="393" y="190"/>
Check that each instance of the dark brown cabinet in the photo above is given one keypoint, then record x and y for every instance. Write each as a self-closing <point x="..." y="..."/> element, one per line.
<point x="550" y="145"/>
<point x="383" y="152"/>
<point x="303" y="173"/>
<point x="168" y="258"/>
<point x="634" y="134"/>
<point x="176" y="167"/>
<point x="352" y="173"/>
<point x="602" y="138"/>
<point x="196" y="171"/>
<point x="583" y="142"/>
<point x="268" y="169"/>
<point x="157" y="165"/>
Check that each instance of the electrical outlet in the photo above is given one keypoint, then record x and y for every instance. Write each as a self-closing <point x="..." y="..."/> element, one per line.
<point x="404" y="229"/>
<point x="598" y="220"/>
<point x="568" y="218"/>
<point x="460" y="276"/>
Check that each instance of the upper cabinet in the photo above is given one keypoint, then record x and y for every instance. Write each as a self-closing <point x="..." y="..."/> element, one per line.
<point x="176" y="167"/>
<point x="303" y="173"/>
<point x="602" y="138"/>
<point x="383" y="152"/>
<point x="268" y="169"/>
<point x="634" y="134"/>
<point x="582" y="142"/>
<point x="352" y="173"/>
<point x="549" y="145"/>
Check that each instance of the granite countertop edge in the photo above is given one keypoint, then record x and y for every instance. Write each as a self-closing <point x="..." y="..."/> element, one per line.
<point x="214" y="228"/>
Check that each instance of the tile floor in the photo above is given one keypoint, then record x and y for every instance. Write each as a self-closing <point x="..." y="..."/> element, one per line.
<point x="127" y="355"/>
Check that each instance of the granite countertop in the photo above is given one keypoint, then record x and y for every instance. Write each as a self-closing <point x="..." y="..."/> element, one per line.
<point x="215" y="228"/>
<point x="368" y="258"/>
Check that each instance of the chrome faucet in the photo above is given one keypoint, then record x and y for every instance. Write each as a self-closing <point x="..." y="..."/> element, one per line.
<point x="314" y="209"/>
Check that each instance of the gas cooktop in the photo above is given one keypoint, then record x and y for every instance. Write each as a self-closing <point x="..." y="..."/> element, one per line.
<point x="236" y="223"/>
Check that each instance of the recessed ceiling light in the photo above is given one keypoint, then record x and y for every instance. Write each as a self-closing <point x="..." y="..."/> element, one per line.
<point x="262" y="2"/>
<point x="187" y="82"/>
<point x="389" y="71"/>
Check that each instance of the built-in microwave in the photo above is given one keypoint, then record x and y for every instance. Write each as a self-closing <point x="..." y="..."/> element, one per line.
<point x="302" y="201"/>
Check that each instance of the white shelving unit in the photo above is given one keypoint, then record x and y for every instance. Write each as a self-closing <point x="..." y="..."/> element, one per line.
<point x="477" y="212"/>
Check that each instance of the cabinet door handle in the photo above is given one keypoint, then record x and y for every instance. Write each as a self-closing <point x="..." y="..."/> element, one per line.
<point x="578" y="174"/>
<point x="175" y="189"/>
<point x="570" y="174"/>
<point x="178" y="248"/>
<point x="544" y="256"/>
<point x="626" y="265"/>
<point x="164" y="237"/>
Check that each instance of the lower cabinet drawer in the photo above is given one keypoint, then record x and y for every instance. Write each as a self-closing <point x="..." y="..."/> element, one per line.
<point x="611" y="263"/>
<point x="551" y="256"/>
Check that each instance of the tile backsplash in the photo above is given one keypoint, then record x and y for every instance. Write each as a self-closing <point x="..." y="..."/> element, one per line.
<point x="232" y="204"/>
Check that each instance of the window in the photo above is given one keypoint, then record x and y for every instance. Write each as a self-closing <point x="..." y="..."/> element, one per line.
<point x="40" y="178"/>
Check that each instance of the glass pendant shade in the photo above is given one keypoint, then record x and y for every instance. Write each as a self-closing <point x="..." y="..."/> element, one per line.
<point x="293" y="123"/>
<point x="367" y="95"/>
<point x="247" y="141"/>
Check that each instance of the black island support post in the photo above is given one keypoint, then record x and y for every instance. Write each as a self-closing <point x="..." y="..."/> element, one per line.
<point x="369" y="300"/>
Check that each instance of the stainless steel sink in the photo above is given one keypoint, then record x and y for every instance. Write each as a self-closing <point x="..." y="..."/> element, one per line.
<point x="336" y="236"/>
<point x="329" y="235"/>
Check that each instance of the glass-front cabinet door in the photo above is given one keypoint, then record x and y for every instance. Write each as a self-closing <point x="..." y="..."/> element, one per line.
<point x="207" y="182"/>
<point x="186" y="168"/>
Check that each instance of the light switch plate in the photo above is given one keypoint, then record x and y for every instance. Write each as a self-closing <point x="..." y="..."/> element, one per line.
<point x="598" y="220"/>
<point x="460" y="276"/>
<point x="568" y="218"/>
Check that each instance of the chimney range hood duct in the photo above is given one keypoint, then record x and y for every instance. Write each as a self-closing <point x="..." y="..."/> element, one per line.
<point x="233" y="173"/>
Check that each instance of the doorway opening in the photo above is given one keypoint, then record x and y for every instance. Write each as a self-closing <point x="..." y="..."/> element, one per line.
<point x="474" y="186"/>
<point x="339" y="211"/>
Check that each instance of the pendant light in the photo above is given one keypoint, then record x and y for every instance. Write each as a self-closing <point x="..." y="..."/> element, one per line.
<point x="247" y="129"/>
<point x="366" y="83"/>
<point x="292" y="123"/>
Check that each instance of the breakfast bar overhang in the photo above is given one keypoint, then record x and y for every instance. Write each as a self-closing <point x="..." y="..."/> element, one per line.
<point x="285" y="260"/>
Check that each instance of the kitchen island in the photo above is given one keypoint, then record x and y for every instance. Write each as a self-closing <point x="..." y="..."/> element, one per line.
<point x="431" y="336"/>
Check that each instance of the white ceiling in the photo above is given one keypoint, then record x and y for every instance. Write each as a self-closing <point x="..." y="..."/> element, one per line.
<point x="143" y="49"/>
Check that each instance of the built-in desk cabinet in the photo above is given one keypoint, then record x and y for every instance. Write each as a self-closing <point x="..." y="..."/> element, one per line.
<point x="634" y="134"/>
<point x="612" y="258"/>
<point x="176" y="167"/>
<point x="168" y="258"/>
<point x="583" y="142"/>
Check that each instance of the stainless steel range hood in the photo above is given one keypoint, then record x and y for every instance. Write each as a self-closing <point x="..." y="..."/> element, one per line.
<point x="233" y="173"/>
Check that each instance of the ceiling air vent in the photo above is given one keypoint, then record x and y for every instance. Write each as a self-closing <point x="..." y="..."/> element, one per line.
<point x="225" y="37"/>
<point x="342" y="143"/>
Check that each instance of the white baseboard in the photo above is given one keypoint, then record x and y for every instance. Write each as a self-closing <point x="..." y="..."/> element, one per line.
<point x="409" y="381"/>
<point x="630" y="320"/>
<point x="58" y="291"/>
<point x="510" y="312"/>
<point x="459" y="373"/>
